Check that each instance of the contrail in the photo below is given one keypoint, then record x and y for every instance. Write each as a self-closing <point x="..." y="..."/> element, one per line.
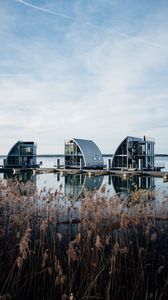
<point x="49" y="11"/>
<point x="88" y="23"/>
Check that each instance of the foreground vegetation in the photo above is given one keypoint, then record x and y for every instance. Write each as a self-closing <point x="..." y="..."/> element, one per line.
<point x="99" y="248"/>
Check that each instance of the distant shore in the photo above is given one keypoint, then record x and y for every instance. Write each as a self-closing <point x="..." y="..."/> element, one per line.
<point x="104" y="155"/>
<point x="161" y="155"/>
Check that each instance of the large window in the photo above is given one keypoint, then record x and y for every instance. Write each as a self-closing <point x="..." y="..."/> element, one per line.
<point x="26" y="150"/>
<point x="13" y="160"/>
<point x="15" y="150"/>
<point x="69" y="149"/>
<point x="122" y="149"/>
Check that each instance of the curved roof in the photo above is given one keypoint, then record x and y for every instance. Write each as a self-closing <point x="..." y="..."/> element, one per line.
<point x="91" y="153"/>
<point x="129" y="138"/>
<point x="17" y="144"/>
<point x="13" y="148"/>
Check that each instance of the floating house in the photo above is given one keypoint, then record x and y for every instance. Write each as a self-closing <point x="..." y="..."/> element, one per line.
<point x="22" y="155"/>
<point x="81" y="153"/>
<point x="134" y="153"/>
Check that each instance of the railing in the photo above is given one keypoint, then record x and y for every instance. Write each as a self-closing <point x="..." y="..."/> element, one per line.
<point x="149" y="139"/>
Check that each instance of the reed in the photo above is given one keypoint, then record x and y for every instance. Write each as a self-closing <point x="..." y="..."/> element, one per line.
<point x="104" y="248"/>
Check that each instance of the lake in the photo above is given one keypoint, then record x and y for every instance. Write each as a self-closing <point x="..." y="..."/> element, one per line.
<point x="80" y="237"/>
<point x="74" y="184"/>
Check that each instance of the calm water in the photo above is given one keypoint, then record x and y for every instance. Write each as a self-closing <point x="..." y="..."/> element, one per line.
<point x="74" y="185"/>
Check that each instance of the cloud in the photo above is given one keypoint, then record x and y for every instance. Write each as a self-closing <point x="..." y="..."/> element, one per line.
<point x="81" y="81"/>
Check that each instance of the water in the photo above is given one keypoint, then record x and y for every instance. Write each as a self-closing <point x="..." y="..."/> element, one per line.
<point x="75" y="184"/>
<point x="162" y="160"/>
<point x="114" y="184"/>
<point x="51" y="161"/>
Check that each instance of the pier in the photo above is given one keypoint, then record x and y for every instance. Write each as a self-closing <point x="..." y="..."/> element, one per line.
<point x="88" y="172"/>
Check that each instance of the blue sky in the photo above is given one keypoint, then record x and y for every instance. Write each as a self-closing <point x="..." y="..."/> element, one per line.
<point x="82" y="68"/>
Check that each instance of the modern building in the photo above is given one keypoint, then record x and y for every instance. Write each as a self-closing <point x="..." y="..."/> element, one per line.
<point x="22" y="155"/>
<point x="81" y="153"/>
<point x="134" y="153"/>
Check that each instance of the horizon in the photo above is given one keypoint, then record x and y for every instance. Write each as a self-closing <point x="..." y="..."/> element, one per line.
<point x="62" y="154"/>
<point x="77" y="68"/>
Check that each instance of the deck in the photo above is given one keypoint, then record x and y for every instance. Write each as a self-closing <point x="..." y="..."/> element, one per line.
<point x="89" y="172"/>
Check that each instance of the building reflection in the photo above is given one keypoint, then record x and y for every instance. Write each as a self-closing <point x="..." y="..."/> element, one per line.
<point x="126" y="185"/>
<point x="76" y="184"/>
<point x="26" y="181"/>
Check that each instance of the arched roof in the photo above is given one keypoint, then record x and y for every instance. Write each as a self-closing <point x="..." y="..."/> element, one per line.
<point x="127" y="138"/>
<point x="13" y="147"/>
<point x="91" y="153"/>
<point x="19" y="143"/>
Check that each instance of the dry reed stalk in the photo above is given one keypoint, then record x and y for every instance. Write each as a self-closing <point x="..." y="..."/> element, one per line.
<point x="24" y="250"/>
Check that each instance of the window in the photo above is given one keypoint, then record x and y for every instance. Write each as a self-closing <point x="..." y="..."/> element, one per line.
<point x="26" y="150"/>
<point x="69" y="149"/>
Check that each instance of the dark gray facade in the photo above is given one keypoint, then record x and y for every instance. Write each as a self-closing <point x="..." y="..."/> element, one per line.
<point x="134" y="153"/>
<point x="22" y="155"/>
<point x="81" y="153"/>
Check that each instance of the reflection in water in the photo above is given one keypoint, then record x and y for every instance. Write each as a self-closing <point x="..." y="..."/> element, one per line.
<point x="124" y="186"/>
<point x="22" y="176"/>
<point x="26" y="181"/>
<point x="75" y="184"/>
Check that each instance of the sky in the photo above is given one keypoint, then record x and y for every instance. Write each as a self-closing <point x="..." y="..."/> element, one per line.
<point x="91" y="69"/>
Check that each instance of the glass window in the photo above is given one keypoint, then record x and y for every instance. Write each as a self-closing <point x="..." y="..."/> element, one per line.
<point x="69" y="149"/>
<point x="26" y="150"/>
<point x="13" y="160"/>
<point x="15" y="150"/>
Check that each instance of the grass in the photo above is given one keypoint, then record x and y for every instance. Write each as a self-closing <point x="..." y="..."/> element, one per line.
<point x="104" y="248"/>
